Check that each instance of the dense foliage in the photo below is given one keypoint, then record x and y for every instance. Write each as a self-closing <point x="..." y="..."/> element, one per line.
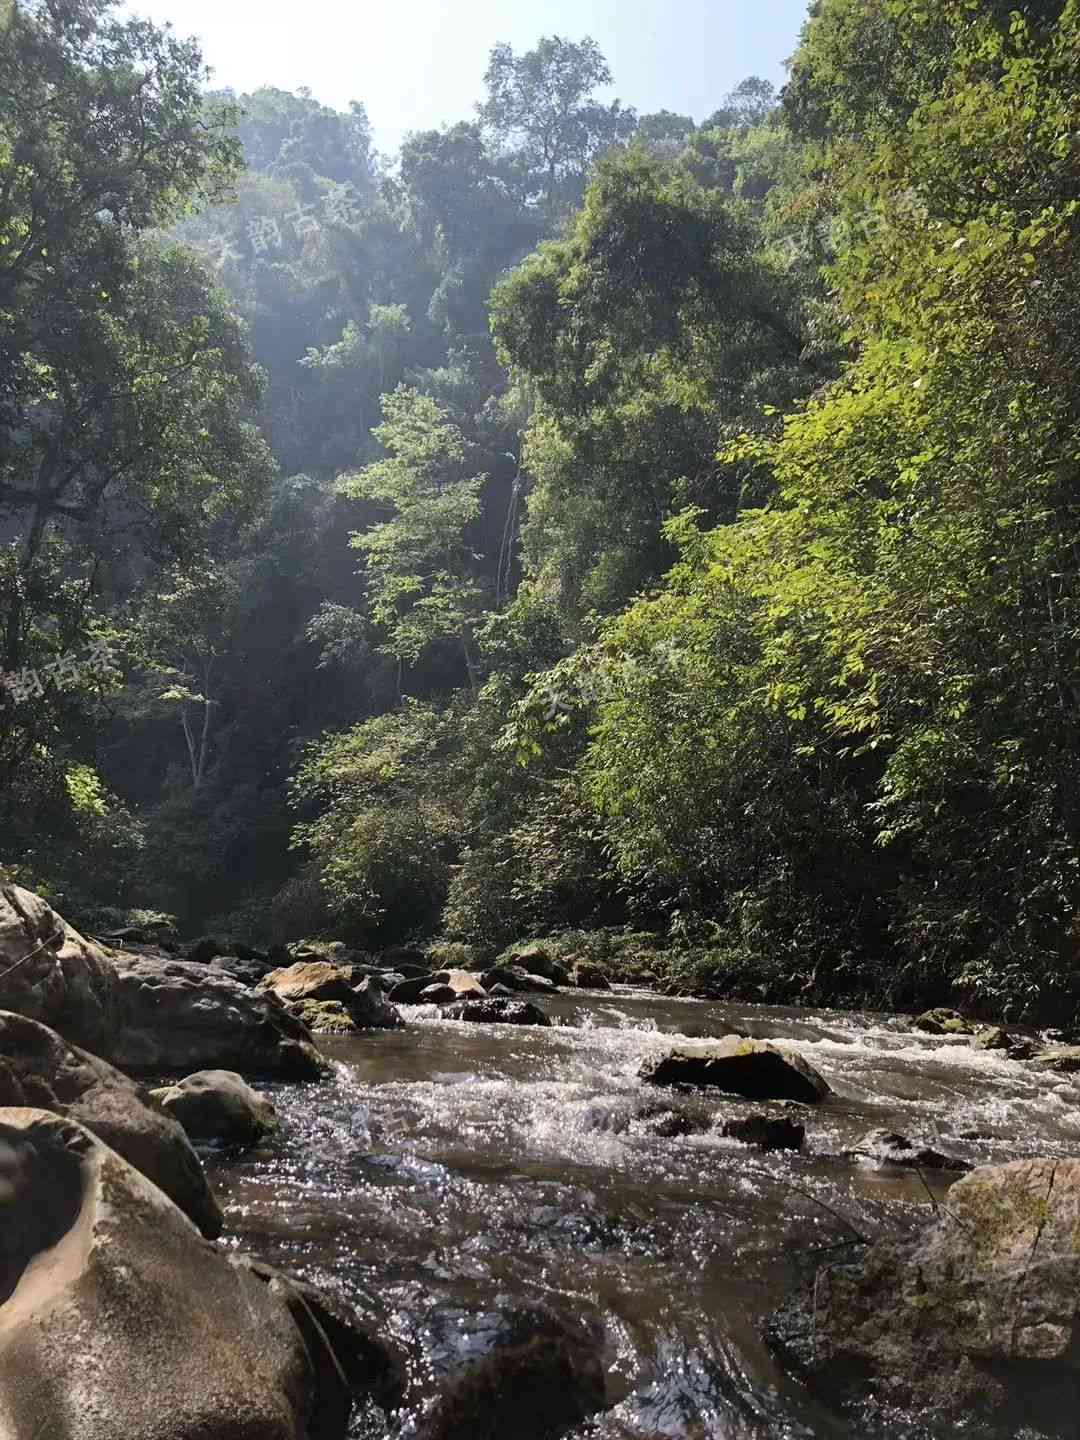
<point x="584" y="522"/>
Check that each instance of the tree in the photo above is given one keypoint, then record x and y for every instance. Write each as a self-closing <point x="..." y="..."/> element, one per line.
<point x="542" y="112"/>
<point x="421" y="572"/>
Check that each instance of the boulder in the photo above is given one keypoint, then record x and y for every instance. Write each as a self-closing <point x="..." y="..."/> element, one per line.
<point x="769" y="1132"/>
<point x="311" y="980"/>
<point x="537" y="959"/>
<point x="976" y="1317"/>
<point x="324" y="1017"/>
<point x="246" y="972"/>
<point x="438" y="994"/>
<point x="173" y="1016"/>
<point x="587" y="976"/>
<point x="887" y="1148"/>
<point x="370" y="1009"/>
<point x="39" y="1069"/>
<point x="410" y="990"/>
<point x="319" y="980"/>
<point x="49" y="972"/>
<point x="465" y="985"/>
<point x="494" y="1010"/>
<point x="941" y="1021"/>
<point x="218" y="1107"/>
<point x="513" y="977"/>
<point x="1063" y="1059"/>
<point x="117" y="1322"/>
<point x="992" y="1037"/>
<point x="543" y="1379"/>
<point x="752" y="1068"/>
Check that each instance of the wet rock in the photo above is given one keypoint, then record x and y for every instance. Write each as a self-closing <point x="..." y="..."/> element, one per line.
<point x="218" y="1106"/>
<point x="888" y="1148"/>
<point x="172" y="1016"/>
<point x="976" y="1317"/>
<point x="439" y="994"/>
<point x="370" y="1008"/>
<point x="752" y="1068"/>
<point x="49" y="972"/>
<point x="769" y="1132"/>
<point x="502" y="990"/>
<point x="513" y="977"/>
<point x="117" y="1320"/>
<point x="410" y="990"/>
<point x="587" y="976"/>
<point x="1062" y="1059"/>
<point x="495" y="1010"/>
<point x="669" y="1124"/>
<point x="992" y="1037"/>
<point x="942" y="1021"/>
<point x="39" y="1069"/>
<point x="537" y="959"/>
<point x="545" y="1378"/>
<point x="332" y="1335"/>
<point x="324" y="1017"/>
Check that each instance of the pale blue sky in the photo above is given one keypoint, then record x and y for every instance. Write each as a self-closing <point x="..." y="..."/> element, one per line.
<point x="417" y="63"/>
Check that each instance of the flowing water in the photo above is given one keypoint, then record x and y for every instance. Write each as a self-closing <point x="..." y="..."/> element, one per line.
<point x="455" y="1175"/>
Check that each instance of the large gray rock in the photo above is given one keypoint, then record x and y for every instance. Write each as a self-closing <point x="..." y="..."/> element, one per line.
<point x="175" y="1016"/>
<point x="513" y="977"/>
<point x="38" y="1068"/>
<point x="49" y="972"/>
<point x="218" y="1107"/>
<point x="536" y="958"/>
<point x="752" y="1068"/>
<point x="117" y="1322"/>
<point x="976" y="1317"/>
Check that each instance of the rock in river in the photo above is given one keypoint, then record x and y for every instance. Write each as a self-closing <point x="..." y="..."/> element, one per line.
<point x="172" y="1015"/>
<point x="118" y="1322"/>
<point x="753" y="1068"/>
<point x="218" y="1107"/>
<point x="978" y="1316"/>
<point x="496" y="1010"/>
<point x="322" y="981"/>
<point x="39" y="1069"/>
<point x="769" y="1132"/>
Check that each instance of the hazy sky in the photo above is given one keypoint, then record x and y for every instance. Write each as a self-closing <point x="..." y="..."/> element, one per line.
<point x="417" y="63"/>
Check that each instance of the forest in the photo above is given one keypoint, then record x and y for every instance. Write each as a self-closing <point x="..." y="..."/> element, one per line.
<point x="656" y="529"/>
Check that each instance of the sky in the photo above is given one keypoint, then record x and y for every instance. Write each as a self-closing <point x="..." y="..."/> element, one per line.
<point x="419" y="63"/>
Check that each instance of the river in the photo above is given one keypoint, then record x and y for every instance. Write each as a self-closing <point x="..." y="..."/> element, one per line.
<point x="454" y="1175"/>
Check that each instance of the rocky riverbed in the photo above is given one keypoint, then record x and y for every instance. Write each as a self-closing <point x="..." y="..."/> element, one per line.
<point x="603" y="1219"/>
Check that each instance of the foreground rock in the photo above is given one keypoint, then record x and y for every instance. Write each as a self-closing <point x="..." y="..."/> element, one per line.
<point x="752" y="1068"/>
<point x="543" y="1379"/>
<point x="496" y="1010"/>
<point x="218" y="1107"/>
<point x="39" y="1069"/>
<point x="977" y="1317"/>
<point x="117" y="1322"/>
<point x="49" y="972"/>
<point x="767" y="1132"/>
<point x="173" y="1015"/>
